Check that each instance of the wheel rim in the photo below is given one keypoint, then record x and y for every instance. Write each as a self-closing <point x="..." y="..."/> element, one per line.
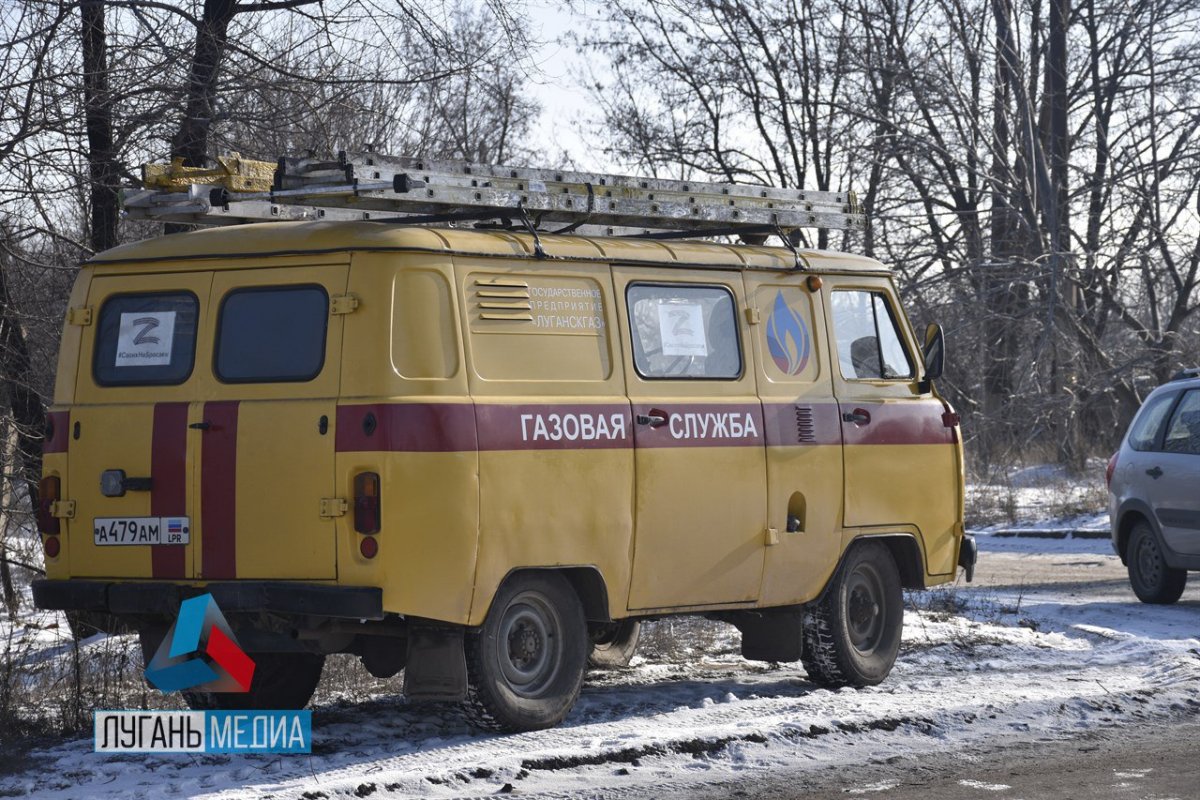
<point x="530" y="648"/>
<point x="1149" y="561"/>
<point x="865" y="608"/>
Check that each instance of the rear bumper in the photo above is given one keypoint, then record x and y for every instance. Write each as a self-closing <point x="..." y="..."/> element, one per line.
<point x="163" y="599"/>
<point x="968" y="555"/>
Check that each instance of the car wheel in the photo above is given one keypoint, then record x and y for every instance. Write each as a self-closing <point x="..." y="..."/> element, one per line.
<point x="852" y="635"/>
<point x="525" y="664"/>
<point x="616" y="646"/>
<point x="1152" y="580"/>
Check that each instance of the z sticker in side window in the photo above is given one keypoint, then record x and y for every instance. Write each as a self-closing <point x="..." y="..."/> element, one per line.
<point x="144" y="339"/>
<point x="681" y="326"/>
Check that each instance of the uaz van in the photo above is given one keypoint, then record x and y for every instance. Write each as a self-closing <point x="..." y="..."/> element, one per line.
<point x="482" y="456"/>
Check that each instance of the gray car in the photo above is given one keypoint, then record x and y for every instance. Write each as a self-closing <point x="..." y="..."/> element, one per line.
<point x="1154" y="491"/>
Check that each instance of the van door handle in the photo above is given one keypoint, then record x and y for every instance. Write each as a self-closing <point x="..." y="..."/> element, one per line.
<point x="200" y="426"/>
<point x="859" y="416"/>
<point x="1155" y="472"/>
<point x="653" y="420"/>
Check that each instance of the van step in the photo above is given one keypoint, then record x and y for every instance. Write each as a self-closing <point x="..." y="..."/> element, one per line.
<point x="370" y="186"/>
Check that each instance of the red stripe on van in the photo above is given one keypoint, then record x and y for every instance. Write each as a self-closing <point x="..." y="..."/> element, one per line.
<point x="218" y="492"/>
<point x="602" y="426"/>
<point x="903" y="422"/>
<point x="168" y="487"/>
<point x="797" y="424"/>
<point x="60" y="424"/>
<point x="406" y="427"/>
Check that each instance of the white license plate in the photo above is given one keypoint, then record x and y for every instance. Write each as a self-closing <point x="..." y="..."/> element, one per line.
<point x="141" y="530"/>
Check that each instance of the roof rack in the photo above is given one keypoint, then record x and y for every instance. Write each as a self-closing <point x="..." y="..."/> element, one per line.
<point x="358" y="186"/>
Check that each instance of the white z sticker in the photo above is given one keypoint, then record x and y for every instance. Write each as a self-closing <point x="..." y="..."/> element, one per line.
<point x="145" y="338"/>
<point x="682" y="328"/>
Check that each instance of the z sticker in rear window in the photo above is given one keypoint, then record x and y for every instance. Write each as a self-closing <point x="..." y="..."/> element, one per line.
<point x="144" y="339"/>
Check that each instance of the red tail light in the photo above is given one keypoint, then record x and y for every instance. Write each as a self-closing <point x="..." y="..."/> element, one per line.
<point x="49" y="493"/>
<point x="53" y="547"/>
<point x="366" y="502"/>
<point x="1110" y="469"/>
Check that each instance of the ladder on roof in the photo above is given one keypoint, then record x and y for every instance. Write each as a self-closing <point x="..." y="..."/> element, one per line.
<point x="369" y="186"/>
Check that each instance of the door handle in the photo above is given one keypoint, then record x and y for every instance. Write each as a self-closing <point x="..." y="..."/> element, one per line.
<point x="652" y="419"/>
<point x="200" y="426"/>
<point x="1155" y="472"/>
<point x="859" y="416"/>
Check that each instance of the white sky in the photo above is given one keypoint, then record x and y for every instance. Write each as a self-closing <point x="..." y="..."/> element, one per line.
<point x="566" y="108"/>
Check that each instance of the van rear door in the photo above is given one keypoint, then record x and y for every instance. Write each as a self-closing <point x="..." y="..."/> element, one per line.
<point x="266" y="456"/>
<point x="128" y="463"/>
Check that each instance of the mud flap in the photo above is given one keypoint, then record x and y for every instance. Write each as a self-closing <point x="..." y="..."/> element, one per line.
<point x="437" y="665"/>
<point x="772" y="635"/>
<point x="968" y="555"/>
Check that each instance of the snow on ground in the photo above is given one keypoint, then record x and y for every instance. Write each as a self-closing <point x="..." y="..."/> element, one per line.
<point x="1015" y="659"/>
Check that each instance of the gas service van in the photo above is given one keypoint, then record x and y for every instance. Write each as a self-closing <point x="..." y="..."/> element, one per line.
<point x="422" y="428"/>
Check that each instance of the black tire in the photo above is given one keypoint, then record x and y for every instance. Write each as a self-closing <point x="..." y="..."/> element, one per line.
<point x="616" y="646"/>
<point x="284" y="681"/>
<point x="852" y="636"/>
<point x="525" y="664"/>
<point x="1152" y="580"/>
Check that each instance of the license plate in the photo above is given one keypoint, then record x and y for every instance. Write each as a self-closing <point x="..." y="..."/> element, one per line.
<point x="141" y="530"/>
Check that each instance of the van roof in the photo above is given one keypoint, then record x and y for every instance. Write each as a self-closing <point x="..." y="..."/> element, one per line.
<point x="298" y="238"/>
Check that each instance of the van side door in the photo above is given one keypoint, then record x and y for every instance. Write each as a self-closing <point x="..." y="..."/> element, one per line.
<point x="699" y="462"/>
<point x="900" y="445"/>
<point x="267" y="431"/>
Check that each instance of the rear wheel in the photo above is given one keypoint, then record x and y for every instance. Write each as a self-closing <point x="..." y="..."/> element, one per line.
<point x="525" y="664"/>
<point x="852" y="636"/>
<point x="616" y="645"/>
<point x="1152" y="580"/>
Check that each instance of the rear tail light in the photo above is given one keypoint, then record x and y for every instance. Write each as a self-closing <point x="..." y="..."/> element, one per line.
<point x="53" y="546"/>
<point x="366" y="502"/>
<point x="1110" y="469"/>
<point x="49" y="493"/>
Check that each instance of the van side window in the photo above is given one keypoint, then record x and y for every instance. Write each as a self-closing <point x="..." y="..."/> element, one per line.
<point x="146" y="339"/>
<point x="1144" y="432"/>
<point x="272" y="334"/>
<point x="684" y="331"/>
<point x="868" y="338"/>
<point x="1183" y="432"/>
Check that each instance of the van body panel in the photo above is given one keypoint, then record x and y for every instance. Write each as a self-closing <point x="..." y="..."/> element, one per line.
<point x="555" y="466"/>
<point x="802" y="429"/>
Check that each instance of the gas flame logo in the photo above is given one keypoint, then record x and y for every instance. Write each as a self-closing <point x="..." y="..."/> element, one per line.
<point x="787" y="338"/>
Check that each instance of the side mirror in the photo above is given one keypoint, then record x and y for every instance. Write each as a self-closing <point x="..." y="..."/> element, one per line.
<point x="935" y="354"/>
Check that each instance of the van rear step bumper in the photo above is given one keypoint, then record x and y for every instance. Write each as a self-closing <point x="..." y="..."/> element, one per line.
<point x="163" y="599"/>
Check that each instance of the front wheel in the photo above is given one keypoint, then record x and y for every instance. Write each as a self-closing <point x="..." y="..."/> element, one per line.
<point x="1152" y="580"/>
<point x="852" y="635"/>
<point x="525" y="664"/>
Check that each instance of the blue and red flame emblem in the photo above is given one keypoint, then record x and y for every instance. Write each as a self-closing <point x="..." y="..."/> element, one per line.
<point x="788" y="339"/>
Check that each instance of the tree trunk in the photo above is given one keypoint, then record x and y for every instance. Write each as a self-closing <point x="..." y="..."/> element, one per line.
<point x="191" y="141"/>
<point x="102" y="166"/>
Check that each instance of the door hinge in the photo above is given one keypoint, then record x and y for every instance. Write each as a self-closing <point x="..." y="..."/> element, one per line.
<point x="80" y="316"/>
<point x="333" y="507"/>
<point x="343" y="304"/>
<point x="772" y="537"/>
<point x="753" y="316"/>
<point x="63" y="509"/>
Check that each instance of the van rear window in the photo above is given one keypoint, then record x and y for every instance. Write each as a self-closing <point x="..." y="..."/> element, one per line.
<point x="272" y="334"/>
<point x="146" y="339"/>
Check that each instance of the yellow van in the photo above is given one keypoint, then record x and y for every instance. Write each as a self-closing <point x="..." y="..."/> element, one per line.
<point x="483" y="455"/>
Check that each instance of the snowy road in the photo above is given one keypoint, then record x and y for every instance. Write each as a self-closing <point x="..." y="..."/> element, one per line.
<point x="1045" y="647"/>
